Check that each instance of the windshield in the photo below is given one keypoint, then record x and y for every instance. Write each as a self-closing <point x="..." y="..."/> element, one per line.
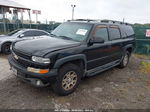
<point x="72" y="31"/>
<point x="13" y="33"/>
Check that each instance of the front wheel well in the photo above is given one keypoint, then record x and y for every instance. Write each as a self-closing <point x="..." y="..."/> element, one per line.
<point x="6" y="43"/>
<point x="3" y="47"/>
<point x="79" y="62"/>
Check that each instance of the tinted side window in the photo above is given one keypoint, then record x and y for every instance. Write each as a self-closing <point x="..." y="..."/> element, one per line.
<point x="28" y="33"/>
<point x="114" y="32"/>
<point x="123" y="33"/>
<point x="101" y="32"/>
<point x="126" y="31"/>
<point x="40" y="33"/>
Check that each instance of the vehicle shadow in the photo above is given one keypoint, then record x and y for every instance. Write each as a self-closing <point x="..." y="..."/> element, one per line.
<point x="3" y="56"/>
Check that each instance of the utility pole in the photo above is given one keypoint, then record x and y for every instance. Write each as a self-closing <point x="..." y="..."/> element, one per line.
<point x="36" y="17"/>
<point x="4" y="20"/>
<point x="29" y="13"/>
<point x="73" y="6"/>
<point x="123" y="20"/>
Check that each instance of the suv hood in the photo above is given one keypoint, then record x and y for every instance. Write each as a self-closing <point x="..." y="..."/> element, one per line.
<point x="42" y="46"/>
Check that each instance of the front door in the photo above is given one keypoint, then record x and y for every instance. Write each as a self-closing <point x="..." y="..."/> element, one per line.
<point x="98" y="53"/>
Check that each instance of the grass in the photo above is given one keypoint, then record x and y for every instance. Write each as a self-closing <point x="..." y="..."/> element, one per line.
<point x="145" y="67"/>
<point x="145" y="64"/>
<point x="142" y="56"/>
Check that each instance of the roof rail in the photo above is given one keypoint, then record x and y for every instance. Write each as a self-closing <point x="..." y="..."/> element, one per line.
<point x="102" y="21"/>
<point x="86" y="20"/>
<point x="114" y="22"/>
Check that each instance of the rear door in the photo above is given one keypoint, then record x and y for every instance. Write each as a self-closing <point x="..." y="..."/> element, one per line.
<point x="116" y="42"/>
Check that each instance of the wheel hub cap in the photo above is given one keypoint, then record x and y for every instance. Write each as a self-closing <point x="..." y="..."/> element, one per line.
<point x="69" y="80"/>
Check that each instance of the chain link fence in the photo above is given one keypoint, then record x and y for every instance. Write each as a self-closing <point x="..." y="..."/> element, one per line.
<point x="142" y="42"/>
<point x="10" y="26"/>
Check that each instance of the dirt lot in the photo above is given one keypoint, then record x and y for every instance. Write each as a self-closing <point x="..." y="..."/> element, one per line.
<point x="113" y="89"/>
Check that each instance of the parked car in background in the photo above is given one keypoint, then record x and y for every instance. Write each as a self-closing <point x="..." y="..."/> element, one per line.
<point x="77" y="49"/>
<point x="6" y="40"/>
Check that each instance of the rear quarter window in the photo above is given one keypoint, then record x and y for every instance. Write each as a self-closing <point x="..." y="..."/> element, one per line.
<point x="126" y="31"/>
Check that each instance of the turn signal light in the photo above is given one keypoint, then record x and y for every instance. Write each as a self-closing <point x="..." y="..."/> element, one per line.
<point x="35" y="70"/>
<point x="44" y="71"/>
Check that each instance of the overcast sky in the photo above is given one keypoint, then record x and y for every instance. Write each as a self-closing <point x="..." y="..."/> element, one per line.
<point x="134" y="11"/>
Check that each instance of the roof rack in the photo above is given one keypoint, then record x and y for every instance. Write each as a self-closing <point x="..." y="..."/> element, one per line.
<point x="114" y="22"/>
<point x="102" y="21"/>
<point x="85" y="20"/>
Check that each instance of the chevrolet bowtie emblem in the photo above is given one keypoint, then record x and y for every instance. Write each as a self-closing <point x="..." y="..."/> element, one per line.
<point x="15" y="56"/>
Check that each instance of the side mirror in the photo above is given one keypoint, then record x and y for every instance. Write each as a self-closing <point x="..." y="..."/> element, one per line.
<point x="96" y="40"/>
<point x="21" y="35"/>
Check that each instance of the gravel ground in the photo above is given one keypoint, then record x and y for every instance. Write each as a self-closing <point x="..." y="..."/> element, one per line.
<point x="116" y="88"/>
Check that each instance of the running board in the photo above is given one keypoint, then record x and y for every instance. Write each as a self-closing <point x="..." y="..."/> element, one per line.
<point x="102" y="68"/>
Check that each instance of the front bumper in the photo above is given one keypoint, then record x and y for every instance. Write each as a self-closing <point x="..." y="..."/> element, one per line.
<point x="33" y="77"/>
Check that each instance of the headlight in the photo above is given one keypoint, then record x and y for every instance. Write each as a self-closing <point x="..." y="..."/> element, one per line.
<point x="40" y="60"/>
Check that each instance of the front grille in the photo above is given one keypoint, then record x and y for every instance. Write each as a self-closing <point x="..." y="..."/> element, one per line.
<point x="30" y="64"/>
<point x="21" y="54"/>
<point x="23" y="63"/>
<point x="25" y="60"/>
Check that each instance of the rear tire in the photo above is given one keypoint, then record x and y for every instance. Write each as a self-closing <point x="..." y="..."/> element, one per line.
<point x="68" y="80"/>
<point x="125" y="60"/>
<point x="6" y="48"/>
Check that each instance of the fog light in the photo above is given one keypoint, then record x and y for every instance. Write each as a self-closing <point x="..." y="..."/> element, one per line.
<point x="35" y="70"/>
<point x="38" y="82"/>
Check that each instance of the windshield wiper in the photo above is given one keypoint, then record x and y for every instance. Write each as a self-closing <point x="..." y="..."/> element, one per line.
<point x="53" y="35"/>
<point x="65" y="37"/>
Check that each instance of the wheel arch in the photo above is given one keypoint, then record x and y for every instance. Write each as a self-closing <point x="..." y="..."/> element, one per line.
<point x="129" y="48"/>
<point x="79" y="60"/>
<point x="4" y="43"/>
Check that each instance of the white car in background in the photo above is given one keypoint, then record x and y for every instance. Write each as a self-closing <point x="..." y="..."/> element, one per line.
<point x="6" y="40"/>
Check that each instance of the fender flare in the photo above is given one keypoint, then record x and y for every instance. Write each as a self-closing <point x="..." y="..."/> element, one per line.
<point x="71" y="58"/>
<point x="128" y="46"/>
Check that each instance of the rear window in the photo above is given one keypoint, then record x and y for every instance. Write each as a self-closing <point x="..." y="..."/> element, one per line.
<point x="126" y="31"/>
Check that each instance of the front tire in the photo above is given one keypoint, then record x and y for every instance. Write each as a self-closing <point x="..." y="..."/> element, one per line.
<point x="6" y="48"/>
<point x="68" y="80"/>
<point x="125" y="60"/>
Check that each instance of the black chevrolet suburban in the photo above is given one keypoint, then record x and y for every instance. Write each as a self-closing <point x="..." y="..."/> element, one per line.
<point x="74" y="50"/>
